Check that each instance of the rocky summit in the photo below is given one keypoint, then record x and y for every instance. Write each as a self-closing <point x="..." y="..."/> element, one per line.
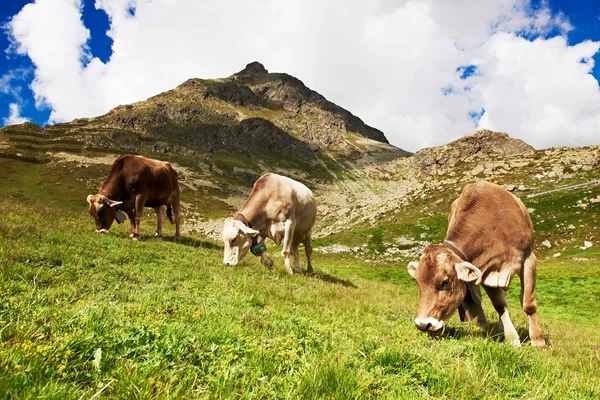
<point x="481" y="144"/>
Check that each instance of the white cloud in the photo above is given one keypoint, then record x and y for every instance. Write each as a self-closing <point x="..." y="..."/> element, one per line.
<point x="540" y="91"/>
<point x="391" y="62"/>
<point x="14" y="116"/>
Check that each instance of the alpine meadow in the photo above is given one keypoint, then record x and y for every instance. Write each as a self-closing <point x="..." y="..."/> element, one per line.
<point x="88" y="315"/>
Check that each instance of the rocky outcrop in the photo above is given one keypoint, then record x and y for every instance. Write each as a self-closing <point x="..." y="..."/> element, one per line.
<point x="289" y="93"/>
<point x="481" y="144"/>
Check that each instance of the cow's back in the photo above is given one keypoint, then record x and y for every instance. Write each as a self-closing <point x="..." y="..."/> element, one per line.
<point x="490" y="225"/>
<point x="131" y="174"/>
<point x="275" y="194"/>
<point x="305" y="207"/>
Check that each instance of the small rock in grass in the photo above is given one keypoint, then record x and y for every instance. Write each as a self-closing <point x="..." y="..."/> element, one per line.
<point x="403" y="241"/>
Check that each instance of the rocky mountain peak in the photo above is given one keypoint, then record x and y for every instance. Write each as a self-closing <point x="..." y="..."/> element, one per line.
<point x="491" y="143"/>
<point x="254" y="68"/>
<point x="209" y="114"/>
<point x="480" y="144"/>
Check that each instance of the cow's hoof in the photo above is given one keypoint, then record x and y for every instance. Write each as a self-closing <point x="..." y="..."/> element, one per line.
<point x="297" y="271"/>
<point x="540" y="344"/>
<point x="158" y="235"/>
<point x="267" y="262"/>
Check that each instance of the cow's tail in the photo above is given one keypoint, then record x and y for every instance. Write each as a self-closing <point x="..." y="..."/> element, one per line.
<point x="170" y="214"/>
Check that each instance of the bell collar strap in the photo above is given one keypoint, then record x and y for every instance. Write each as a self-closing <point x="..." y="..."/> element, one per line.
<point x="257" y="248"/>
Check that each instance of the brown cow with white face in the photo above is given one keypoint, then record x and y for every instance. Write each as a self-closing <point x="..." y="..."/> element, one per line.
<point x="489" y="239"/>
<point x="279" y="208"/>
<point x="135" y="182"/>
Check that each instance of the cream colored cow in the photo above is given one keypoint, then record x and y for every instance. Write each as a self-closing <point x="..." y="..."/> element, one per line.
<point x="278" y="208"/>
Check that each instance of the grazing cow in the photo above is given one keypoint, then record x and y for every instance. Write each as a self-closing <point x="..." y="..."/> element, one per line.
<point x="135" y="182"/>
<point x="278" y="208"/>
<point x="489" y="239"/>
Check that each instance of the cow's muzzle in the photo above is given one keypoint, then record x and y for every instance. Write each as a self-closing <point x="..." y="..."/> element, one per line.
<point x="432" y="326"/>
<point x="439" y="332"/>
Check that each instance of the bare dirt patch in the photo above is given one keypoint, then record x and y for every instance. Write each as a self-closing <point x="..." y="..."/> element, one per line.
<point x="63" y="157"/>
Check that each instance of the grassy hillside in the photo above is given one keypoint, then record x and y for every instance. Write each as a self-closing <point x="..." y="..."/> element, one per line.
<point x="84" y="315"/>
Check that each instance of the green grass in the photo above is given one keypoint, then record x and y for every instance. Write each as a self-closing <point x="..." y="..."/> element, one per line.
<point x="559" y="219"/>
<point x="83" y="314"/>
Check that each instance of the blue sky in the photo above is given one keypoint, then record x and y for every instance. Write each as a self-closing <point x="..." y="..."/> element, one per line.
<point x="99" y="44"/>
<point x="464" y="90"/>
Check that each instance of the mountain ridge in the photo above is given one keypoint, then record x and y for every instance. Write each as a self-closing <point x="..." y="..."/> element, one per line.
<point x="222" y="134"/>
<point x="205" y="113"/>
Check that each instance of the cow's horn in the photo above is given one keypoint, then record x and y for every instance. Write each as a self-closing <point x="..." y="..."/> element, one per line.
<point x="89" y="198"/>
<point x="115" y="203"/>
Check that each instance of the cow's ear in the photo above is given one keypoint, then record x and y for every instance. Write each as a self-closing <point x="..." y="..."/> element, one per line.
<point x="249" y="231"/>
<point x="412" y="268"/>
<point x="467" y="272"/>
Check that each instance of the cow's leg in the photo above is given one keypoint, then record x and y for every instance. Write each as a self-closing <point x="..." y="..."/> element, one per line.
<point x="160" y="220"/>
<point x="177" y="215"/>
<point x="266" y="260"/>
<point x="471" y="309"/>
<point x="498" y="298"/>
<point x="295" y="253"/>
<point x="288" y="237"/>
<point x="528" y="301"/>
<point x="131" y="216"/>
<point x="308" y="250"/>
<point x="139" y="209"/>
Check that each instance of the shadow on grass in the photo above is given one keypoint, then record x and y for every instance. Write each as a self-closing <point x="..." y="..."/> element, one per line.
<point x="491" y="331"/>
<point x="192" y="242"/>
<point x="331" y="279"/>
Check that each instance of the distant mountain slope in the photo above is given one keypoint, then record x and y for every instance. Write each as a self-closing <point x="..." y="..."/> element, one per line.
<point x="264" y="118"/>
<point x="380" y="188"/>
<point x="251" y="112"/>
<point x="222" y="134"/>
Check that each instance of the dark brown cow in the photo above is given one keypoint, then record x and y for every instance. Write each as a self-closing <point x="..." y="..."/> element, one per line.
<point x="135" y="182"/>
<point x="489" y="239"/>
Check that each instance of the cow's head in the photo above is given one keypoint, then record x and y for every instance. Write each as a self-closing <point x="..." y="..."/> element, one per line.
<point x="237" y="240"/>
<point x="103" y="210"/>
<point x="442" y="277"/>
